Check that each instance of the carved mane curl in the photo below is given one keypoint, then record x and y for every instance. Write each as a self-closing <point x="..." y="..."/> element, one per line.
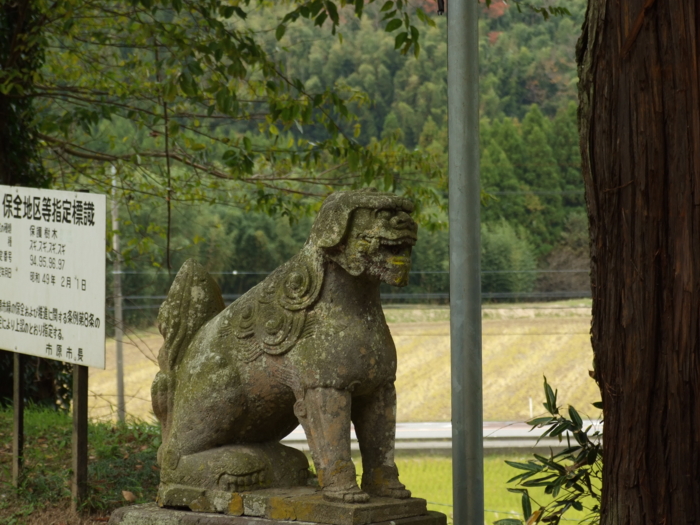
<point x="271" y="317"/>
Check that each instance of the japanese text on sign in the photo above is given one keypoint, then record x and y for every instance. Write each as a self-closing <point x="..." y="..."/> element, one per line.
<point x="52" y="274"/>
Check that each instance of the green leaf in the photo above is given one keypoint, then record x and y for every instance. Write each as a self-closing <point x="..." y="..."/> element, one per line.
<point x="388" y="6"/>
<point x="551" y="464"/>
<point x="393" y="25"/>
<point x="545" y="481"/>
<point x="316" y="7"/>
<point x="521" y="477"/>
<point x="388" y="181"/>
<point x="320" y="19"/>
<point x="560" y="428"/>
<point x="359" y="7"/>
<point x="389" y="15"/>
<point x="400" y="39"/>
<point x="187" y="83"/>
<point x="424" y="18"/>
<point x="332" y="12"/>
<point x="538" y="421"/>
<point x="524" y="466"/>
<point x="575" y="417"/>
<point x="527" y="507"/>
<point x="279" y="33"/>
<point x="551" y="396"/>
<point x="173" y="128"/>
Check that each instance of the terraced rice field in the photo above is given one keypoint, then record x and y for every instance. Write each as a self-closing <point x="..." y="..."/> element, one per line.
<point x="521" y="343"/>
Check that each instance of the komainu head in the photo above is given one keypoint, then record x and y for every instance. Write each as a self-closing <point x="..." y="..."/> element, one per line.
<point x="368" y="232"/>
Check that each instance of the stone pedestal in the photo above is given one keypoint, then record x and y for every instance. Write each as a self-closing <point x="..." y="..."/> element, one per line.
<point x="297" y="506"/>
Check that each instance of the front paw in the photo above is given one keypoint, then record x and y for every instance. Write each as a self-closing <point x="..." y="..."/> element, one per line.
<point x="339" y="484"/>
<point x="351" y="495"/>
<point x="399" y="492"/>
<point x="384" y="482"/>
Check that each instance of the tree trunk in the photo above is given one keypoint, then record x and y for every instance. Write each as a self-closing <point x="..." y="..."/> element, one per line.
<point x="640" y="139"/>
<point x="21" y="55"/>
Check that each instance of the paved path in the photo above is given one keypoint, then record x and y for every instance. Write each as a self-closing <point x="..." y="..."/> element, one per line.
<point x="439" y="436"/>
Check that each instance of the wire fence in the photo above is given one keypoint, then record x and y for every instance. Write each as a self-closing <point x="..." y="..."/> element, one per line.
<point x="135" y="301"/>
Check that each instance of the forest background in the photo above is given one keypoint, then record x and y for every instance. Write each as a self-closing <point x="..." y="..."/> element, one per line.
<point x="534" y="227"/>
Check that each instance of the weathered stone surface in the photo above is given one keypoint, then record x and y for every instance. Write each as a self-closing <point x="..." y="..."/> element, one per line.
<point x="308" y="504"/>
<point x="308" y="345"/>
<point x="224" y="470"/>
<point x="150" y="514"/>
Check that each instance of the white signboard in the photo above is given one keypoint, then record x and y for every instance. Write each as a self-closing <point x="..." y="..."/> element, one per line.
<point x="52" y="274"/>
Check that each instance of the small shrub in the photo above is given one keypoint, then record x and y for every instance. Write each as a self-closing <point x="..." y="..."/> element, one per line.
<point x="572" y="477"/>
<point x="121" y="458"/>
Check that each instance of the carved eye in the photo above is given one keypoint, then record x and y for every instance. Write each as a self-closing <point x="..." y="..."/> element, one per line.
<point x="385" y="214"/>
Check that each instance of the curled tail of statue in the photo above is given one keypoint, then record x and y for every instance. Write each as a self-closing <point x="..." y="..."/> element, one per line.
<point x="194" y="298"/>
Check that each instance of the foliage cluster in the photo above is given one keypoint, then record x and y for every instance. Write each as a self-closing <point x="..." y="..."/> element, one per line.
<point x="142" y="87"/>
<point x="269" y="106"/>
<point x="122" y="458"/>
<point x="185" y="101"/>
<point x="47" y="383"/>
<point x="21" y="57"/>
<point x="530" y="162"/>
<point x="572" y="477"/>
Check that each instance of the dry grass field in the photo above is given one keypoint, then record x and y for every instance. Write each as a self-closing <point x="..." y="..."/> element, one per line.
<point x="521" y="343"/>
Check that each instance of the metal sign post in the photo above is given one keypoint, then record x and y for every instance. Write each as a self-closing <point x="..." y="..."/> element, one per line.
<point x="80" y="436"/>
<point x="52" y="297"/>
<point x="465" y="254"/>
<point x="18" y="418"/>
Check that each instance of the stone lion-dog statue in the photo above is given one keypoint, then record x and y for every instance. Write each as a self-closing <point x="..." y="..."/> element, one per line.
<point x="308" y="345"/>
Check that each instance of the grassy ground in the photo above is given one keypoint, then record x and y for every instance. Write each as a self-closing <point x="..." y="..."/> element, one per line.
<point x="120" y="459"/>
<point x="430" y="477"/>
<point x="123" y="459"/>
<point x="521" y="343"/>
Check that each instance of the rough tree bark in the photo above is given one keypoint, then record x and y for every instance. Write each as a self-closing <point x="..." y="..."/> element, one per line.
<point x="21" y="55"/>
<point x="640" y="137"/>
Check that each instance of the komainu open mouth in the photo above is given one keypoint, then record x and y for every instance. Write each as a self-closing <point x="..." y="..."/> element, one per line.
<point x="397" y="247"/>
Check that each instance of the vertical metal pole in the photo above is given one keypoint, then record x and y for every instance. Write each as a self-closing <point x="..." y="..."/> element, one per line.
<point x="465" y="253"/>
<point x="18" y="418"/>
<point x="118" y="319"/>
<point x="80" y="436"/>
